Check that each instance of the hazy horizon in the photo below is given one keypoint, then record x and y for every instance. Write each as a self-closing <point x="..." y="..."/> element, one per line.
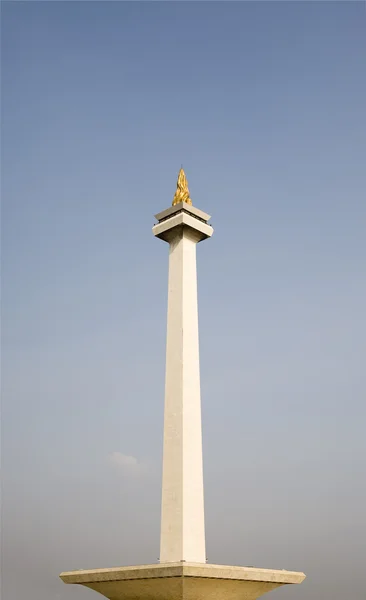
<point x="264" y="104"/>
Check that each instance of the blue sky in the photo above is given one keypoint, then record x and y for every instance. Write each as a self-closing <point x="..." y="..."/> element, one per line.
<point x="263" y="103"/>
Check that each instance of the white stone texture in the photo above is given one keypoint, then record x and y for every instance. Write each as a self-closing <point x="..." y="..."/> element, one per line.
<point x="182" y="518"/>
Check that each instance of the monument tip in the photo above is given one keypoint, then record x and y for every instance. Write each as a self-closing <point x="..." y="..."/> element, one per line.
<point x="182" y="191"/>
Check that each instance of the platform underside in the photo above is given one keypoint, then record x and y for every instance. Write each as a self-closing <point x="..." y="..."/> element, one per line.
<point x="182" y="581"/>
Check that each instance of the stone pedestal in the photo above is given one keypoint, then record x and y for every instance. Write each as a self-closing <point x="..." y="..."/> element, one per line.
<point x="183" y="581"/>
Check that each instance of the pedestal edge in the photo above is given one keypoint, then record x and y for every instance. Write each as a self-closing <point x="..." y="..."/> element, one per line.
<point x="167" y="229"/>
<point x="185" y="207"/>
<point x="183" y="570"/>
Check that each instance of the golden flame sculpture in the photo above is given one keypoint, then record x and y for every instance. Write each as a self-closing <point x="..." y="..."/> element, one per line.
<point x="182" y="192"/>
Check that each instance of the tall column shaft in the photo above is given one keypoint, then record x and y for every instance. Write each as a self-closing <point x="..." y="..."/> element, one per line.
<point x="182" y="514"/>
<point x="182" y="521"/>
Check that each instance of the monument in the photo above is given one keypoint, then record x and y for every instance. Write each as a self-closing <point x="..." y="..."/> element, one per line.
<point x="182" y="573"/>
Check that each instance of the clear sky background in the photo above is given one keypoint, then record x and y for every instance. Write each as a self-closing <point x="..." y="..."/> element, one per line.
<point x="264" y="104"/>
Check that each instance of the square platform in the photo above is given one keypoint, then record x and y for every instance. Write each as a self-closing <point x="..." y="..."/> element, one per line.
<point x="182" y="581"/>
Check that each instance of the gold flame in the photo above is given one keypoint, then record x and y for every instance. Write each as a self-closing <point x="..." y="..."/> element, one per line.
<point x="182" y="192"/>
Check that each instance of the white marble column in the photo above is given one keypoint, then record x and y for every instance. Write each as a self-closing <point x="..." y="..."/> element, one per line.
<point x="182" y="522"/>
<point x="182" y="519"/>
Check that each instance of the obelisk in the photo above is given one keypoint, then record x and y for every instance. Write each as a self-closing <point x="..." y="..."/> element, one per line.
<point x="182" y="573"/>
<point x="182" y="517"/>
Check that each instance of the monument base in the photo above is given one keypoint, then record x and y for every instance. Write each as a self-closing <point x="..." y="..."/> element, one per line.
<point x="182" y="581"/>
